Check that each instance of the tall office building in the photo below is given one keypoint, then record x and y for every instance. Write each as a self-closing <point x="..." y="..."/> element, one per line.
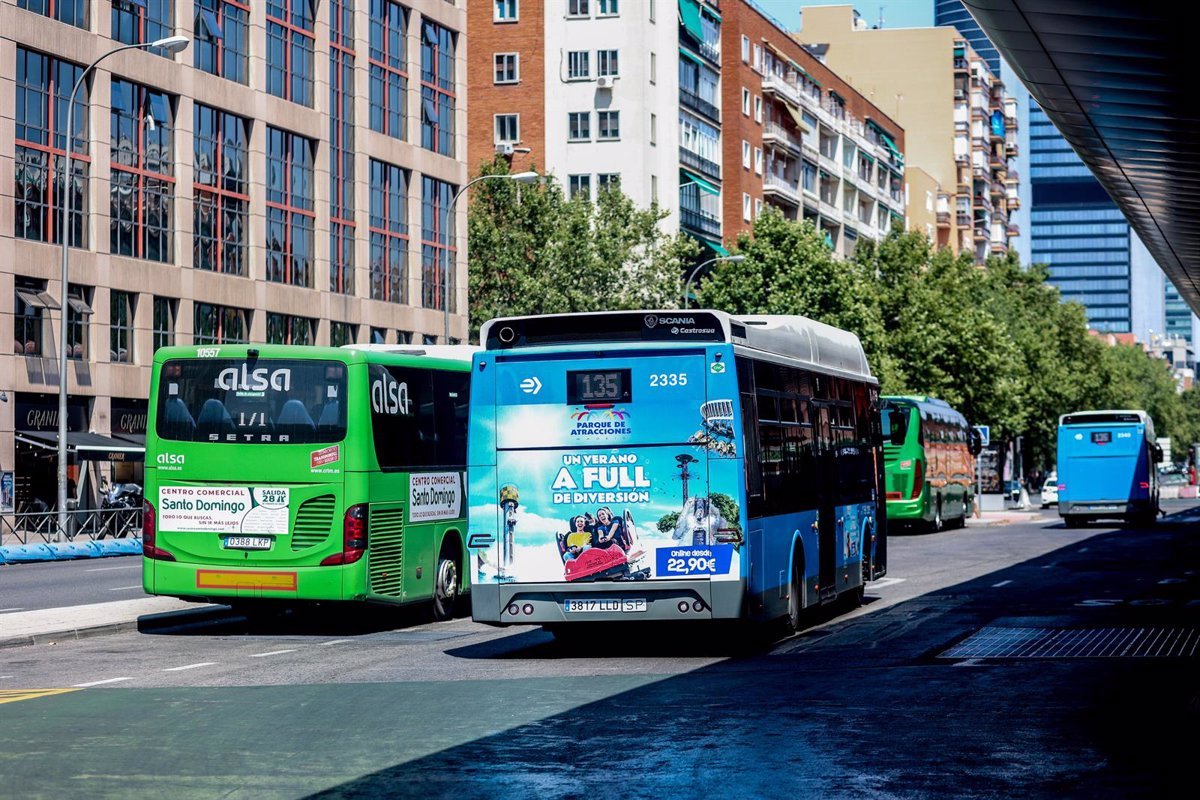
<point x="284" y="179"/>
<point x="960" y="124"/>
<point x="1095" y="258"/>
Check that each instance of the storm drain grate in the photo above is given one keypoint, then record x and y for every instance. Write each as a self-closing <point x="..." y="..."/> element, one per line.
<point x="996" y="642"/>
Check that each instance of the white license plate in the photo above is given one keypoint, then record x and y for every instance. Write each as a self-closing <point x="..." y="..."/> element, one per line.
<point x="248" y="542"/>
<point x="619" y="605"/>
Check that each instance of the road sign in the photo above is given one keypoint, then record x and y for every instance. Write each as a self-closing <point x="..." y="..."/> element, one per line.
<point x="985" y="434"/>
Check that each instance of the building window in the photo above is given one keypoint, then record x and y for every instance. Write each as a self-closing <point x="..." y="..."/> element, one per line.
<point x="745" y="49"/>
<point x="758" y="57"/>
<point x="213" y="324"/>
<point x="290" y="50"/>
<point x="120" y="326"/>
<point x="344" y="333"/>
<point x="427" y="339"/>
<point x="653" y="188"/>
<point x="607" y="63"/>
<point x="165" y="310"/>
<point x="72" y="12"/>
<point x="30" y="301"/>
<point x="143" y="182"/>
<point x="757" y="109"/>
<point x="388" y="67"/>
<point x="745" y="154"/>
<point x="221" y="45"/>
<point x="79" y="310"/>
<point x="286" y="329"/>
<point x="758" y="160"/>
<point x="653" y="68"/>
<point x="341" y="147"/>
<point x="220" y="193"/>
<point x="607" y="8"/>
<point x="289" y="208"/>
<point x="508" y="128"/>
<point x="578" y="65"/>
<point x="746" y="207"/>
<point x="608" y="125"/>
<point x="608" y="180"/>
<point x="745" y="102"/>
<point x="378" y="336"/>
<point x="43" y="89"/>
<point x="758" y="204"/>
<point x="505" y="11"/>
<point x="652" y="11"/>
<point x="577" y="8"/>
<point x="389" y="232"/>
<point x="580" y="186"/>
<point x="437" y="89"/>
<point x="506" y="68"/>
<point x="140" y="21"/>
<point x="579" y="126"/>
<point x="653" y="128"/>
<point x="438" y="250"/>
<point x="404" y="337"/>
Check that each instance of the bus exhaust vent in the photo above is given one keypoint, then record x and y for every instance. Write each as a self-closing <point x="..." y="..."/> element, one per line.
<point x="385" y="549"/>
<point x="1015" y="643"/>
<point x="312" y="522"/>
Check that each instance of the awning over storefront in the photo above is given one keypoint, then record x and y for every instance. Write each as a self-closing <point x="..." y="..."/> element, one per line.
<point x="704" y="185"/>
<point x="88" y="446"/>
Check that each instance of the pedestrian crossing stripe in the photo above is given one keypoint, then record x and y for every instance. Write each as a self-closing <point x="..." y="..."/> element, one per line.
<point x="16" y="695"/>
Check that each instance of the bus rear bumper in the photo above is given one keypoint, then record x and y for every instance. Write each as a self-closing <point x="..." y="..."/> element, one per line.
<point x="228" y="584"/>
<point x="1096" y="509"/>
<point x="906" y="510"/>
<point x="546" y="603"/>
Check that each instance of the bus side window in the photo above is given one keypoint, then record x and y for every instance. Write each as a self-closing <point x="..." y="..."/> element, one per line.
<point x="752" y="451"/>
<point x="451" y="392"/>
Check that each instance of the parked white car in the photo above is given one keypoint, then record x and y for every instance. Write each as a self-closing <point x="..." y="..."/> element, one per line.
<point x="1050" y="491"/>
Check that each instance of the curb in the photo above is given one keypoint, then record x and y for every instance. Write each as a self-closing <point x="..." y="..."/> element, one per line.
<point x="162" y="622"/>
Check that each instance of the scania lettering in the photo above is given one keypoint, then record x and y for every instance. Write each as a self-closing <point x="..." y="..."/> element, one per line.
<point x="307" y="474"/>
<point x="646" y="480"/>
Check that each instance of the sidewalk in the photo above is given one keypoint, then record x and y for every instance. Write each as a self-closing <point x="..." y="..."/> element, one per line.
<point x="75" y="622"/>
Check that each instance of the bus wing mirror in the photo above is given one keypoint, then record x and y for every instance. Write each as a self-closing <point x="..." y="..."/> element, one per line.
<point x="975" y="444"/>
<point x="1158" y="453"/>
<point x="898" y="427"/>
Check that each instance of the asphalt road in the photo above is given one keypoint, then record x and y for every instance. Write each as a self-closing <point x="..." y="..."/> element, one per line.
<point x="876" y="702"/>
<point x="53" y="584"/>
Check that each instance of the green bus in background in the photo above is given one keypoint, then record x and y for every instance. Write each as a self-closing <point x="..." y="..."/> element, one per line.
<point x="286" y="473"/>
<point x="929" y="460"/>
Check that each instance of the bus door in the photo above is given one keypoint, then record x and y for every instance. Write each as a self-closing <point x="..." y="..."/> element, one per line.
<point x="827" y="524"/>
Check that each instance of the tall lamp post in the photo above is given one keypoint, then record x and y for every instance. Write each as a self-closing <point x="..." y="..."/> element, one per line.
<point x="172" y="45"/>
<point x="687" y="287"/>
<point x="519" y="177"/>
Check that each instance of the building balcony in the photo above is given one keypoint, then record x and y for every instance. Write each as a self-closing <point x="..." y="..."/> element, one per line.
<point x="774" y="84"/>
<point x="1014" y="202"/>
<point x="1013" y="176"/>
<point x="781" y="187"/>
<point x="943" y="219"/>
<point x="982" y="234"/>
<point x="1010" y="149"/>
<point x="711" y="51"/>
<point x="999" y="246"/>
<point x="963" y="219"/>
<point x="983" y="201"/>
<point x="997" y="189"/>
<point x="697" y="161"/>
<point x="695" y="102"/>
<point x="961" y="65"/>
<point x="701" y="222"/>
<point x="1013" y="229"/>
<point x="776" y="134"/>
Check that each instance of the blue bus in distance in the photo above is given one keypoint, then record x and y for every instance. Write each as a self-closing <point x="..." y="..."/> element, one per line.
<point x="1107" y="467"/>
<point x="671" y="465"/>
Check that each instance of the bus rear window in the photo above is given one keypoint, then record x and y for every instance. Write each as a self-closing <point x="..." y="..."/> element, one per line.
<point x="252" y="401"/>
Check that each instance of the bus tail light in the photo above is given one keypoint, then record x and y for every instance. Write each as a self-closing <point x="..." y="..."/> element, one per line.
<point x="895" y="496"/>
<point x="1062" y="487"/>
<point x="354" y="537"/>
<point x="1144" y="485"/>
<point x="150" y="533"/>
<point x="918" y="480"/>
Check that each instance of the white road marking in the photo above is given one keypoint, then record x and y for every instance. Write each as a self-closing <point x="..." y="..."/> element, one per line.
<point x="883" y="582"/>
<point x="970" y="662"/>
<point x="2" y="677"/>
<point x="110" y="569"/>
<point x="190" y="666"/>
<point x="272" y="653"/>
<point x="125" y="588"/>
<point x="98" y="683"/>
<point x="335" y="641"/>
<point x="5" y="610"/>
<point x="1083" y="549"/>
<point x="1001" y="583"/>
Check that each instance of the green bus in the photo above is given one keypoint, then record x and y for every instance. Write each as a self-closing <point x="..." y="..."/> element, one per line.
<point x="298" y="474"/>
<point x="929" y="460"/>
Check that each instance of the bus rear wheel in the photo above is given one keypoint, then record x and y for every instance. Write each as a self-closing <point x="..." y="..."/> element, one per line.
<point x="446" y="586"/>
<point x="795" y="619"/>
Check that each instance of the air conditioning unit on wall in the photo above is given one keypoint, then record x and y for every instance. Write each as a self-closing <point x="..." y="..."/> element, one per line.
<point x="605" y="82"/>
<point x="504" y="149"/>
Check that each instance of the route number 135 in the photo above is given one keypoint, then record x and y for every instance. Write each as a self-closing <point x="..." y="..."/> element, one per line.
<point x="668" y="379"/>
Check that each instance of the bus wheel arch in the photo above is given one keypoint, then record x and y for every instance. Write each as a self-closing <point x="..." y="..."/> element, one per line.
<point x="796" y="587"/>
<point x="448" y="576"/>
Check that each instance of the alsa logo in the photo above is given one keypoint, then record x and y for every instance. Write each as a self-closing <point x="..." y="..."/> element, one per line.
<point x="258" y="380"/>
<point x="171" y="458"/>
<point x="389" y="396"/>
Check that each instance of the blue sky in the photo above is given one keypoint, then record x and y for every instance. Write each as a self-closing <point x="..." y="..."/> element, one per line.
<point x="896" y="13"/>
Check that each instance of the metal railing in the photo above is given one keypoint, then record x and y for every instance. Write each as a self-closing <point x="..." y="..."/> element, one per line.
<point x="697" y="161"/>
<point x="698" y="104"/>
<point x="102" y="523"/>
<point x="703" y="223"/>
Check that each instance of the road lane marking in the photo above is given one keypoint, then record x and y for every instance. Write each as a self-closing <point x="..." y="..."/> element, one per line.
<point x="272" y="653"/>
<point x="970" y="662"/>
<point x="16" y="695"/>
<point x="101" y="683"/>
<point x="190" y="666"/>
<point x="884" y="582"/>
<point x="124" y="588"/>
<point x="335" y="641"/>
<point x="6" y="610"/>
<point x="110" y="569"/>
<point x="2" y="677"/>
<point x="1001" y="583"/>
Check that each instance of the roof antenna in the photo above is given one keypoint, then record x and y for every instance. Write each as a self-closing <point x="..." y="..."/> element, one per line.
<point x="880" y="25"/>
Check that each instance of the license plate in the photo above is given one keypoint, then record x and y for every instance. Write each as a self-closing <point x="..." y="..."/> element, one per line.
<point x="591" y="606"/>
<point x="248" y="542"/>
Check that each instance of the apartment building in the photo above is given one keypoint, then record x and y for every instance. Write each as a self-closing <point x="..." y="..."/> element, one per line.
<point x="286" y="178"/>
<point x="605" y="92"/>
<point x="798" y="137"/>
<point x="960" y="124"/>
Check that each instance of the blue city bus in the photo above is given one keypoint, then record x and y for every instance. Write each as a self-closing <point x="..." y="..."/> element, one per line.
<point x="671" y="465"/>
<point x="1107" y="467"/>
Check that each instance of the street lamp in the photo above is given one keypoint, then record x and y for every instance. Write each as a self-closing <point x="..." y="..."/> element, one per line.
<point x="687" y="287"/>
<point x="519" y="177"/>
<point x="172" y="45"/>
